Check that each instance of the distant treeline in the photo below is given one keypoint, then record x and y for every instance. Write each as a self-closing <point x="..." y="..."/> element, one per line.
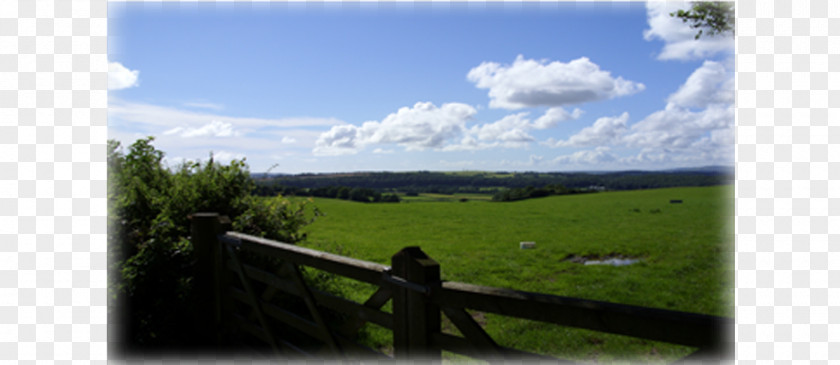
<point x="514" y="194"/>
<point x="477" y="182"/>
<point x="364" y="195"/>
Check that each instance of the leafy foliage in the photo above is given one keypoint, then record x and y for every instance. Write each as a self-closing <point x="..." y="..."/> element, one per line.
<point x="275" y="218"/>
<point x="150" y="256"/>
<point x="714" y="16"/>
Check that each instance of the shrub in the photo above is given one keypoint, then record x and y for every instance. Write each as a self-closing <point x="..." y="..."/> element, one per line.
<point x="149" y="252"/>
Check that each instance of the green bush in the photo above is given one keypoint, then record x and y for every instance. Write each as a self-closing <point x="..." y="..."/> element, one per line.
<point x="150" y="256"/>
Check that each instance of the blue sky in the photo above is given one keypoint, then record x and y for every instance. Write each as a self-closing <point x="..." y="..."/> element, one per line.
<point x="374" y="87"/>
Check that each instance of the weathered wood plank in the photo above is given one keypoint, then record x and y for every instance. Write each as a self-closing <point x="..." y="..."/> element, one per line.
<point x="364" y="313"/>
<point x="254" y="301"/>
<point x="243" y="324"/>
<point x="691" y="329"/>
<point x="308" y="327"/>
<point x="681" y="328"/>
<point x="356" y="269"/>
<point x="415" y="318"/>
<point x="267" y="278"/>
<point x="306" y="294"/>
<point x="375" y="302"/>
<point x="304" y="325"/>
<point x="472" y="331"/>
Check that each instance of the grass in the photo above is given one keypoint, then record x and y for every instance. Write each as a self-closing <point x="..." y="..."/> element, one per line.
<point x="685" y="250"/>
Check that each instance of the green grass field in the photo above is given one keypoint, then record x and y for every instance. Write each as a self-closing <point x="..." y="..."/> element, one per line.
<point x="685" y="251"/>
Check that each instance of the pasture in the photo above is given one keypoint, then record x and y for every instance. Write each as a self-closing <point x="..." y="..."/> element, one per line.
<point x="685" y="252"/>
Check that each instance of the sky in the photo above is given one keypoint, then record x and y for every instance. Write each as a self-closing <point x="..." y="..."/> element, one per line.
<point x="297" y="87"/>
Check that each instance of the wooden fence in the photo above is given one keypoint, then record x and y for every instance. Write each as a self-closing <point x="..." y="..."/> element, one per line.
<point x="256" y="301"/>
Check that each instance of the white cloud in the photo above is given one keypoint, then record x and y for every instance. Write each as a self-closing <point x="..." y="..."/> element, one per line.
<point x="556" y="115"/>
<point x="468" y="143"/>
<point x="695" y="127"/>
<point x="512" y="130"/>
<point x="339" y="140"/>
<point x="530" y="83"/>
<point x="678" y="128"/>
<point x="605" y="130"/>
<point x="599" y="155"/>
<point x="226" y="156"/>
<point x="679" y="37"/>
<point x="156" y="117"/>
<point x="213" y="129"/>
<point x="202" y="105"/>
<point x="710" y="84"/>
<point x="702" y="107"/>
<point x="120" y="77"/>
<point x="193" y="134"/>
<point x="535" y="160"/>
<point x="417" y="128"/>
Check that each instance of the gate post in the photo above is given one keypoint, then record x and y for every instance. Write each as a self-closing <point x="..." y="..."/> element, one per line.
<point x="415" y="318"/>
<point x="204" y="228"/>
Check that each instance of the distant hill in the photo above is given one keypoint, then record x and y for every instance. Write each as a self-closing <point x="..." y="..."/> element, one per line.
<point x="492" y="182"/>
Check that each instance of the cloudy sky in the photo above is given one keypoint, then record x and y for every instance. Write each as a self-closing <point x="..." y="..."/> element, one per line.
<point x="374" y="87"/>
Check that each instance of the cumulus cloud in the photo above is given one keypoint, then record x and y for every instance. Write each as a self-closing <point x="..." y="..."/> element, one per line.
<point x="553" y="116"/>
<point x="710" y="84"/>
<point x="678" y="36"/>
<point x="678" y="128"/>
<point x="513" y="129"/>
<point x="420" y="127"/>
<point x="599" y="155"/>
<point x="695" y="126"/>
<point x="339" y="140"/>
<point x="530" y="83"/>
<point x="605" y="130"/>
<point x="120" y="77"/>
<point x="701" y="108"/>
<point x="510" y="128"/>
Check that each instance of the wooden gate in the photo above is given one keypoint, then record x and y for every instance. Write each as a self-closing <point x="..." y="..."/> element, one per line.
<point x="270" y="302"/>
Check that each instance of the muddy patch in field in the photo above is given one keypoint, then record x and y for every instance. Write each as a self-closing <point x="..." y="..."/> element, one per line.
<point x="612" y="259"/>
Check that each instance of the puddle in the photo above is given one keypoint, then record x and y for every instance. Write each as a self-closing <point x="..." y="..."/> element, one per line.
<point x="613" y="260"/>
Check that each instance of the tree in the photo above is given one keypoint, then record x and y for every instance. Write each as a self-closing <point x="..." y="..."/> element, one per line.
<point x="714" y="16"/>
<point x="149" y="253"/>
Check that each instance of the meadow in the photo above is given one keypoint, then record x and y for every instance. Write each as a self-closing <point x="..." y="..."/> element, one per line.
<point x="685" y="252"/>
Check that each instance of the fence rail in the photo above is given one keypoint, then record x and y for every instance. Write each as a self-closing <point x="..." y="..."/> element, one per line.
<point x="248" y="300"/>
